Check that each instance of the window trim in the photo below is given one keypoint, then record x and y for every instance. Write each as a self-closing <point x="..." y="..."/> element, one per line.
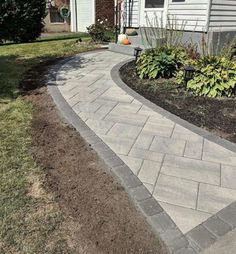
<point x="55" y="23"/>
<point x="154" y="9"/>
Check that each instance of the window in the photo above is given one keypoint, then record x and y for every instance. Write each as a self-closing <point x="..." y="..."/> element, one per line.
<point x="55" y="16"/>
<point x="154" y="3"/>
<point x="178" y="1"/>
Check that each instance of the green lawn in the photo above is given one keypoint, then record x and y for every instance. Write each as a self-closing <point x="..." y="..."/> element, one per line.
<point x="30" y="219"/>
<point x="64" y="36"/>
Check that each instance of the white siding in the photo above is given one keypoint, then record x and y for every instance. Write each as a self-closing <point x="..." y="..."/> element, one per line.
<point x="223" y="15"/>
<point x="85" y="14"/>
<point x="191" y="14"/>
<point x="134" y="14"/>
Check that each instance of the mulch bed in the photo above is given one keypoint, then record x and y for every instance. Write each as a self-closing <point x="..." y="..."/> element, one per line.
<point x="215" y="115"/>
<point x="98" y="213"/>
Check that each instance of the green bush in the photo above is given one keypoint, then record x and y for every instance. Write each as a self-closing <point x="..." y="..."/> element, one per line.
<point x="214" y="77"/>
<point x="21" y="21"/>
<point x="160" y="63"/>
<point x="99" y="31"/>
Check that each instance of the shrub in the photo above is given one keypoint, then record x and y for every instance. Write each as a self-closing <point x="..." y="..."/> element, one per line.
<point x="99" y="31"/>
<point x="192" y="51"/>
<point x="21" y="21"/>
<point x="214" y="77"/>
<point x="160" y="63"/>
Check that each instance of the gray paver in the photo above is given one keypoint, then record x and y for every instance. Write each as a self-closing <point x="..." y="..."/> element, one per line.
<point x="133" y="163"/>
<point x="185" y="218"/>
<point x="144" y="110"/>
<point x="202" y="237"/>
<point x="143" y="141"/>
<point x="196" y="170"/>
<point x="132" y="119"/>
<point x="122" y="147"/>
<point x="176" y="191"/>
<point x="140" y="193"/>
<point x="179" y="243"/>
<point x="162" y="222"/>
<point x="229" y="214"/>
<point x="146" y="154"/>
<point x="194" y="149"/>
<point x="192" y="180"/>
<point x="188" y="250"/>
<point x="216" y="153"/>
<point x="213" y="198"/>
<point x="123" y="108"/>
<point x="149" y="186"/>
<point x="105" y="102"/>
<point x="99" y="126"/>
<point x="158" y="129"/>
<point x="131" y="181"/>
<point x="104" y="110"/>
<point x="185" y="134"/>
<point x="124" y="131"/>
<point x="228" y="177"/>
<point x="225" y="245"/>
<point x="86" y="107"/>
<point x="149" y="172"/>
<point x="116" y="94"/>
<point x="150" y="206"/>
<point x="217" y="226"/>
<point x="168" y="145"/>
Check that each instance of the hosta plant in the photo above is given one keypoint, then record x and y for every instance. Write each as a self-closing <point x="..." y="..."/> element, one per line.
<point x="214" y="77"/>
<point x="160" y="63"/>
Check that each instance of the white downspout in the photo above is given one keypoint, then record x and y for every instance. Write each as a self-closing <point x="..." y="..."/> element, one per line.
<point x="208" y="16"/>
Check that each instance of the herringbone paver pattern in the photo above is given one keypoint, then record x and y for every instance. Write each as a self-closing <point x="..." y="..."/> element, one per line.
<point x="191" y="177"/>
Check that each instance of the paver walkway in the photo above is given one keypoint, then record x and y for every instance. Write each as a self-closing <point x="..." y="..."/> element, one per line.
<point x="191" y="177"/>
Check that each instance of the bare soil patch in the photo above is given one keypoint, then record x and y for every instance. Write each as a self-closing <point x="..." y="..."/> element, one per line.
<point x="215" y="115"/>
<point x="98" y="215"/>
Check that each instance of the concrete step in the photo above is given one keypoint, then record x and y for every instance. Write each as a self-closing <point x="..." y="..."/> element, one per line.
<point x="123" y="49"/>
<point x="136" y="40"/>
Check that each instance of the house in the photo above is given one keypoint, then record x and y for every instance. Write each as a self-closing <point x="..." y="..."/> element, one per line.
<point x="214" y="18"/>
<point x="54" y="21"/>
<point x="87" y="12"/>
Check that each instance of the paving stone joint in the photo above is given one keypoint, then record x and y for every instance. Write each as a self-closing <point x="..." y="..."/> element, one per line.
<point x="181" y="178"/>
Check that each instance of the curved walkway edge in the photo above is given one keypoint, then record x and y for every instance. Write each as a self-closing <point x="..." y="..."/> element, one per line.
<point x="71" y="76"/>
<point x="204" y="133"/>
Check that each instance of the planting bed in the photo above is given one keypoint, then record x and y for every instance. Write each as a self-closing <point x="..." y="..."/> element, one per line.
<point x="215" y="115"/>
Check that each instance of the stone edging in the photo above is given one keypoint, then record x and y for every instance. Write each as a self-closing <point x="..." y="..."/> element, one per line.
<point x="194" y="241"/>
<point x="205" y="234"/>
<point x="204" y="133"/>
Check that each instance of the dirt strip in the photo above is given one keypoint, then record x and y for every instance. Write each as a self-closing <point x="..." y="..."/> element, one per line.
<point x="99" y="217"/>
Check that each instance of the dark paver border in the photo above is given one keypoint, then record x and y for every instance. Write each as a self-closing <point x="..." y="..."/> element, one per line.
<point x="194" y="241"/>
<point x="115" y="74"/>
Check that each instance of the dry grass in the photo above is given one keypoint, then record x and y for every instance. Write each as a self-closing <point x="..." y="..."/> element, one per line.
<point x="30" y="219"/>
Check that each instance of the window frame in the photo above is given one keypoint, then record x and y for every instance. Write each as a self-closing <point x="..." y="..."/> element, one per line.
<point x="154" y="8"/>
<point x="55" y="23"/>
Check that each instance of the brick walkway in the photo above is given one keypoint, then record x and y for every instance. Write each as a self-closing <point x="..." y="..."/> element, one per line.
<point x="191" y="177"/>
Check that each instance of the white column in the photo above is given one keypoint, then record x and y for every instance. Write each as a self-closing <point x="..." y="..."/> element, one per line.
<point x="73" y="16"/>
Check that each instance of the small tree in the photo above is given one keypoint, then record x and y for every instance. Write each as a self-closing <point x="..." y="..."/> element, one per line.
<point x="21" y="20"/>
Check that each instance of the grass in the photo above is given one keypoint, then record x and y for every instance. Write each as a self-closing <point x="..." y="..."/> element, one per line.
<point x="30" y="219"/>
<point x="64" y="36"/>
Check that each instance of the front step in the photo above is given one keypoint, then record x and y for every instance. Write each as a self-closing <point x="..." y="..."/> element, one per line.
<point x="123" y="49"/>
<point x="135" y="40"/>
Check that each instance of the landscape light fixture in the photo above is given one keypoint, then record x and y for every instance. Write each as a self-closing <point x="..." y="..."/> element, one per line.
<point x="137" y="52"/>
<point x="188" y="73"/>
<point x="233" y="53"/>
